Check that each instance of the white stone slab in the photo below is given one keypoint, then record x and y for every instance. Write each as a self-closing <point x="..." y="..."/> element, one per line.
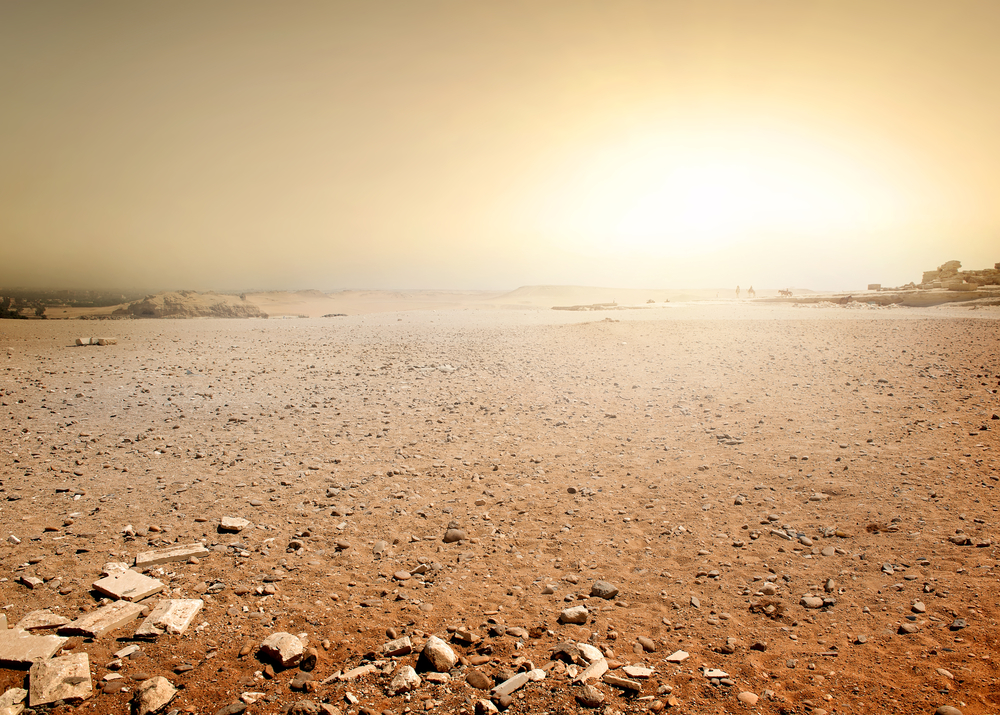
<point x="128" y="586"/>
<point x="172" y="616"/>
<point x="65" y="678"/>
<point x="104" y="619"/>
<point x="22" y="648"/>
<point x="171" y="553"/>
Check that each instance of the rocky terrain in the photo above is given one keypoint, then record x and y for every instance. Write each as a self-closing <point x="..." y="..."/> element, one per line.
<point x="730" y="508"/>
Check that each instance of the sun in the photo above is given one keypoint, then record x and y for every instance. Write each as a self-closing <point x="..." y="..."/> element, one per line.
<point x="703" y="190"/>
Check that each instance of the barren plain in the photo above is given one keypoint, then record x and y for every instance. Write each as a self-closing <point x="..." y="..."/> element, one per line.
<point x="801" y="499"/>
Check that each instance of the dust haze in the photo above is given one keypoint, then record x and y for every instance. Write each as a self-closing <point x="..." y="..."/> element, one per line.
<point x="332" y="146"/>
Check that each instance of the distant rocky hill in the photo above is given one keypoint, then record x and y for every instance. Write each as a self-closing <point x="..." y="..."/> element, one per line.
<point x="190" y="304"/>
<point x="949" y="275"/>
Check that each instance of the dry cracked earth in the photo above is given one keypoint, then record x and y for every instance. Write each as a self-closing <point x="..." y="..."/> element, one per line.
<point x="803" y="501"/>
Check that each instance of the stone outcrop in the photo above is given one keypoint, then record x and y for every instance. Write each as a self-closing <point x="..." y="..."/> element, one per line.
<point x="950" y="277"/>
<point x="190" y="304"/>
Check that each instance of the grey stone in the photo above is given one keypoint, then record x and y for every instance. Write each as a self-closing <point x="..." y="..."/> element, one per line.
<point x="152" y="695"/>
<point x="63" y="678"/>
<point x="603" y="589"/>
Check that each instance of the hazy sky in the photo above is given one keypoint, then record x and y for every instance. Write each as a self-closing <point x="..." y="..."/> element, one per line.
<point x="417" y="144"/>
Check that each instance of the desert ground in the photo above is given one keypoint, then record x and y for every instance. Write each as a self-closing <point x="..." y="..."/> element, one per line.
<point x="800" y="499"/>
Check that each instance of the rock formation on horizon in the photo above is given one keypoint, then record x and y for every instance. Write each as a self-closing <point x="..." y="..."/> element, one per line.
<point x="948" y="275"/>
<point x="190" y="304"/>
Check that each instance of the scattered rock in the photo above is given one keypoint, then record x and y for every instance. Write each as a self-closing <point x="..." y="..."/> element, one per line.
<point x="282" y="648"/>
<point x="152" y="695"/>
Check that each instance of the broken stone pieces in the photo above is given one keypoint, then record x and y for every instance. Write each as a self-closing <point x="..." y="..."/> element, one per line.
<point x="152" y="695"/>
<point x="172" y="616"/>
<point x="104" y="619"/>
<point x="40" y="620"/>
<point x="63" y="678"/>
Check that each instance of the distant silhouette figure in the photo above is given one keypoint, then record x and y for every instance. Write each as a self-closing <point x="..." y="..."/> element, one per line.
<point x="785" y="293"/>
<point x="737" y="292"/>
<point x="751" y="293"/>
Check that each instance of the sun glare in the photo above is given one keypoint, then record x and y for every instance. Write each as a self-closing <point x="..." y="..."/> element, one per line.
<point x="705" y="190"/>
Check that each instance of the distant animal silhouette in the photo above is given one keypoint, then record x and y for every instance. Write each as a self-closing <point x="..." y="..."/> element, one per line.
<point x="751" y="293"/>
<point x="786" y="293"/>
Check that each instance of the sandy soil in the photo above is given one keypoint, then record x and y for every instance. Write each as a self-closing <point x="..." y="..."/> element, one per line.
<point x="697" y="457"/>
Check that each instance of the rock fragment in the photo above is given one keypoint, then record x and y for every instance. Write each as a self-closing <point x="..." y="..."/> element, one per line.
<point x="63" y="678"/>
<point x="405" y="680"/>
<point x="103" y="620"/>
<point x="168" y="554"/>
<point x="589" y="697"/>
<point x="283" y="648"/>
<point x="153" y="695"/>
<point x="576" y="615"/>
<point x="603" y="589"/>
<point x="171" y="616"/>
<point x="439" y="655"/>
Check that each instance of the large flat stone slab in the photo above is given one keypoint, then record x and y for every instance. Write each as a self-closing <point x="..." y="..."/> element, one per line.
<point x="19" y="647"/>
<point x="128" y="586"/>
<point x="64" y="678"/>
<point x="104" y="619"/>
<point x="171" y="553"/>
<point x="172" y="616"/>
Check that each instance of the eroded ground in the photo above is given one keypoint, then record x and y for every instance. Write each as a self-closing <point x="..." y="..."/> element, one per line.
<point x="662" y="452"/>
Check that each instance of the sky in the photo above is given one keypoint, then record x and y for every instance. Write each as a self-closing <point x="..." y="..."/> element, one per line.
<point x="489" y="145"/>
